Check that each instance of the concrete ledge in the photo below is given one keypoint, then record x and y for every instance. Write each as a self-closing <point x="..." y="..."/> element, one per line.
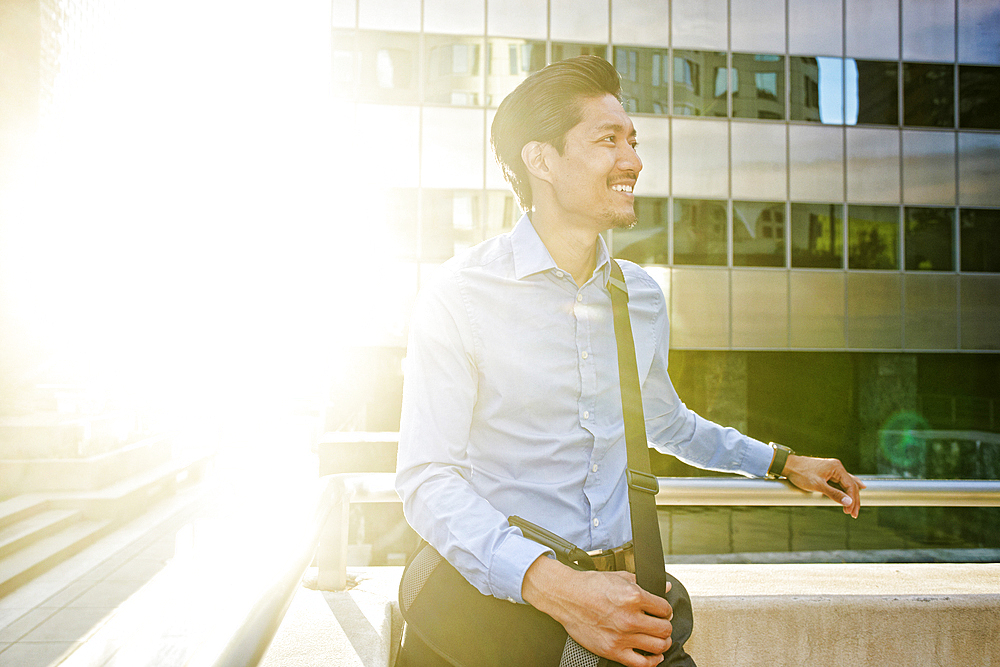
<point x="904" y="615"/>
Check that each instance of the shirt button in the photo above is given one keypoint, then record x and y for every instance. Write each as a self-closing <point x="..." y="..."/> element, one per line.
<point x="597" y="522"/>
<point x="585" y="355"/>
<point x="586" y="414"/>
<point x="559" y="274"/>
<point x="593" y="468"/>
<point x="579" y="297"/>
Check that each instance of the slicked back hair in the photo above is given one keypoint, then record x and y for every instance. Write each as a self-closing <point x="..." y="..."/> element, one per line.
<point x="544" y="107"/>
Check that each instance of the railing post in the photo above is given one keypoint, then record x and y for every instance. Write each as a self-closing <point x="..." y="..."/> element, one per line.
<point x="331" y="555"/>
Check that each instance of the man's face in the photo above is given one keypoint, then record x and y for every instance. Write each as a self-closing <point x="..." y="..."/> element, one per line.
<point x="594" y="176"/>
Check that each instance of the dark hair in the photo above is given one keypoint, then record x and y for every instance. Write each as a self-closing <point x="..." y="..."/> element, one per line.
<point x="544" y="107"/>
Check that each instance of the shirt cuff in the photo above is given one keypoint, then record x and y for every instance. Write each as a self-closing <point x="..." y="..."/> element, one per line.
<point x="758" y="458"/>
<point x="510" y="562"/>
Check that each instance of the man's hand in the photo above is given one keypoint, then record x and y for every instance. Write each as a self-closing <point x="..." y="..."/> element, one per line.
<point x="829" y="477"/>
<point x="605" y="612"/>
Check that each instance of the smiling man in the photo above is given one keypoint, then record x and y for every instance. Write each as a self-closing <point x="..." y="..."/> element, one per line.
<point x="512" y="402"/>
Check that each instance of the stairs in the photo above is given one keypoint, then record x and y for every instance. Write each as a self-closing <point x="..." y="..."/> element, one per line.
<point x="41" y="529"/>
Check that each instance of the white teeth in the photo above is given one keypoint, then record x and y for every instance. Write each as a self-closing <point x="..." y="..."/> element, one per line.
<point x="622" y="188"/>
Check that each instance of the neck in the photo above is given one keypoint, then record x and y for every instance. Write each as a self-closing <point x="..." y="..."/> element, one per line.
<point x="573" y="248"/>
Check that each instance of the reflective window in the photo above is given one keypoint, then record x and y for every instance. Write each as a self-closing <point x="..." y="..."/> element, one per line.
<point x="928" y="167"/>
<point x="389" y="14"/>
<point x="817" y="236"/>
<point x="562" y="51"/>
<point x="452" y="148"/>
<point x="929" y="30"/>
<point x="872" y="165"/>
<point x="816" y="167"/>
<point x="654" y="147"/>
<point x="509" y="62"/>
<point x="502" y="213"/>
<point x="980" y="312"/>
<point x="758" y="82"/>
<point x="929" y="242"/>
<point x="758" y="160"/>
<point x="523" y="18"/>
<point x="979" y="97"/>
<point x="760" y="309"/>
<point x="874" y="311"/>
<point x="344" y="64"/>
<point x="757" y="25"/>
<point x="643" y="23"/>
<point x="871" y="92"/>
<point x="700" y="235"/>
<point x="394" y="216"/>
<point x="928" y="95"/>
<point x="873" y="237"/>
<point x="645" y="78"/>
<point x="931" y="311"/>
<point x="700" y="23"/>
<point x="648" y="241"/>
<point x="393" y="144"/>
<point x="816" y="317"/>
<point x="579" y="19"/>
<point x="700" y="81"/>
<point x="817" y="90"/>
<point x="388" y="67"/>
<point x="454" y="16"/>
<point x="451" y="222"/>
<point x="980" y="234"/>
<point x="872" y="29"/>
<point x="979" y="32"/>
<point x="699" y="308"/>
<point x="817" y="27"/>
<point x="700" y="158"/>
<point x="758" y="233"/>
<point x="454" y="70"/>
<point x="978" y="157"/>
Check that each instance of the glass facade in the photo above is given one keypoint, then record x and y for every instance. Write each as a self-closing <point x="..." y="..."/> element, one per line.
<point x="851" y="145"/>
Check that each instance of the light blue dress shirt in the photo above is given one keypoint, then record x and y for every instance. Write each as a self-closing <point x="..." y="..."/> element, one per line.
<point x="512" y="406"/>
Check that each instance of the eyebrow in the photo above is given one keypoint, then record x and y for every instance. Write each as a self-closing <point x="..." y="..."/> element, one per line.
<point x="616" y="127"/>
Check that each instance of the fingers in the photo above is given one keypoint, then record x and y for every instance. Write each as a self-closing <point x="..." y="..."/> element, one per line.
<point x="845" y="489"/>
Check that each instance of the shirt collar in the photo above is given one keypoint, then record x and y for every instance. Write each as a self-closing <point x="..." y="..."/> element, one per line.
<point x="531" y="256"/>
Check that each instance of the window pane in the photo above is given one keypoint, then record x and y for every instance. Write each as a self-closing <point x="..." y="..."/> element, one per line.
<point x="389" y="14"/>
<point x="928" y="167"/>
<point x="700" y="158"/>
<point x="562" y="51"/>
<point x="758" y="160"/>
<point x="758" y="86"/>
<point x="455" y="16"/>
<point x="389" y="67"/>
<point x="523" y="18"/>
<point x="979" y="97"/>
<point x="452" y="221"/>
<point x="510" y="63"/>
<point x="816" y="170"/>
<point x="817" y="236"/>
<point x="979" y="32"/>
<point x="394" y="150"/>
<point x="454" y="70"/>
<point x="502" y="213"/>
<point x="700" y="232"/>
<point x="928" y="95"/>
<point x="648" y="241"/>
<point x="874" y="311"/>
<point x="699" y="308"/>
<point x="654" y="147"/>
<point x="872" y="165"/>
<point x="758" y="25"/>
<point x="758" y="233"/>
<point x="700" y="24"/>
<point x="817" y="309"/>
<point x="394" y="220"/>
<point x="929" y="30"/>
<point x="640" y="22"/>
<point x="873" y="237"/>
<point x="980" y="311"/>
<point x="980" y="231"/>
<point x="872" y="29"/>
<point x="817" y="27"/>
<point x="579" y="19"/>
<point x="645" y="78"/>
<point x="931" y="312"/>
<point x="871" y="92"/>
<point x="978" y="157"/>
<point x="760" y="309"/>
<point x="452" y="150"/>
<point x="818" y="90"/>
<point x="343" y="13"/>
<point x="930" y="239"/>
<point x="344" y="64"/>
<point x="700" y="81"/>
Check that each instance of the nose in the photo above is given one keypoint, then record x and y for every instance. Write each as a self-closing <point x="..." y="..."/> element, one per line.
<point x="628" y="159"/>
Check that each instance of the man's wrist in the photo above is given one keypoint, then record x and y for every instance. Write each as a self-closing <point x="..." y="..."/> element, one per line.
<point x="778" y="461"/>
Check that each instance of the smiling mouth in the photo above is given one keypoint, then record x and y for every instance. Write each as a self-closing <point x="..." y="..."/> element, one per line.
<point x="622" y="187"/>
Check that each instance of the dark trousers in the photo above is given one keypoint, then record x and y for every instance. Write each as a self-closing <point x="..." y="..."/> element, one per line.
<point x="416" y="653"/>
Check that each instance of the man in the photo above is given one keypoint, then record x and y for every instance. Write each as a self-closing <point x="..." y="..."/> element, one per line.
<point x="511" y="402"/>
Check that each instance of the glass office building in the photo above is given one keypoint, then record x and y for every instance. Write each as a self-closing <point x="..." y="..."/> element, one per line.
<point x="820" y="198"/>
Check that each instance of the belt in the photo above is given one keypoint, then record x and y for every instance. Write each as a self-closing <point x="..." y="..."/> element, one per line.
<point x="612" y="560"/>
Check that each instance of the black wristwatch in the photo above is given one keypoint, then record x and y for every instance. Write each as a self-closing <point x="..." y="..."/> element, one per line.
<point x="781" y="454"/>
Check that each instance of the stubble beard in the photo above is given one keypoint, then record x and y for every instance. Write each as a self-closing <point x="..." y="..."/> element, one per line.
<point x="620" y="220"/>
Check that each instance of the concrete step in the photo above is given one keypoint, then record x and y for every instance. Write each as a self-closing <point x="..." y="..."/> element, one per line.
<point x="21" y="507"/>
<point x="27" y="563"/>
<point x="34" y="528"/>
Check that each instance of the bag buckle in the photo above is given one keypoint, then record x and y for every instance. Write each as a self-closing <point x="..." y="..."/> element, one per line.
<point x="641" y="481"/>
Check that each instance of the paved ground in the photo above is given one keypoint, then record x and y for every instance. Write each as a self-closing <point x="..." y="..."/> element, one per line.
<point x="53" y="613"/>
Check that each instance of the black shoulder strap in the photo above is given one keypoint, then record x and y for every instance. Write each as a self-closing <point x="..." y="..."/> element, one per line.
<point x="650" y="572"/>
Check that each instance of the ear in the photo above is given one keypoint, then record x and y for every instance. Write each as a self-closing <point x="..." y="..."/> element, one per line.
<point x="535" y="155"/>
